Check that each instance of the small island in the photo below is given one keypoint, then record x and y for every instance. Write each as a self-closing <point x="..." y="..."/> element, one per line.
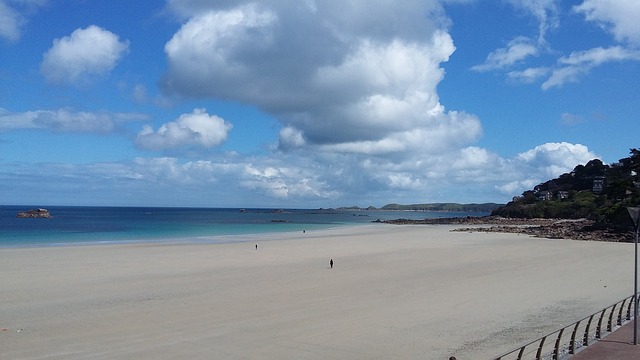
<point x="34" y="213"/>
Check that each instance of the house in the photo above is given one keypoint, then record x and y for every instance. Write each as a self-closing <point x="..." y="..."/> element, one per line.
<point x="563" y="194"/>
<point x="598" y="184"/>
<point x="544" y="195"/>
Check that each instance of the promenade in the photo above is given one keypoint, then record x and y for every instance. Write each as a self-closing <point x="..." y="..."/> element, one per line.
<point x="616" y="346"/>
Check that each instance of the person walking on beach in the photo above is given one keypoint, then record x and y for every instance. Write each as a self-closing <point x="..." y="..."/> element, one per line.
<point x="331" y="263"/>
<point x="256" y="246"/>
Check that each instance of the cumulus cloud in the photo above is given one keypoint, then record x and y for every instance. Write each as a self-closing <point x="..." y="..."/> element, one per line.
<point x="65" y="120"/>
<point x="358" y="103"/>
<point x="540" y="164"/>
<point x="86" y="52"/>
<point x="554" y="159"/>
<point x="377" y="84"/>
<point x="620" y="17"/>
<point x="197" y="128"/>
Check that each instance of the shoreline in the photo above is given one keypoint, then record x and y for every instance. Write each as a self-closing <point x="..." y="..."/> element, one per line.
<point x="394" y="292"/>
<point x="195" y="239"/>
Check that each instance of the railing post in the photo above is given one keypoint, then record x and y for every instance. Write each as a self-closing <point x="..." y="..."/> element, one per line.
<point x="610" y="323"/>
<point x="599" y="328"/>
<point x="539" y="353"/>
<point x="521" y="352"/>
<point x="585" y="338"/>
<point x="556" y="349"/>
<point x="572" y="346"/>
<point x="620" y="312"/>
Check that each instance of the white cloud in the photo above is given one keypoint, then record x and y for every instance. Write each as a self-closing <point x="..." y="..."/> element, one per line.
<point x="529" y="75"/>
<point x="446" y="131"/>
<point x="197" y="128"/>
<point x="65" y="120"/>
<point x="291" y="138"/>
<point x="517" y="187"/>
<point x="516" y="51"/>
<point x="208" y="45"/>
<point x="569" y="119"/>
<point x="597" y="56"/>
<point x="351" y="67"/>
<point x="620" y="17"/>
<point x="617" y="16"/>
<point x="360" y="113"/>
<point x="13" y="16"/>
<point x="86" y="52"/>
<point x="313" y="180"/>
<point x="540" y="164"/>
<point x="554" y="159"/>
<point x="578" y="63"/>
<point x="522" y="47"/>
<point x="545" y="11"/>
<point x="9" y="22"/>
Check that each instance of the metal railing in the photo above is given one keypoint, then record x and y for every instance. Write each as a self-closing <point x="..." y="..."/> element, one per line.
<point x="583" y="333"/>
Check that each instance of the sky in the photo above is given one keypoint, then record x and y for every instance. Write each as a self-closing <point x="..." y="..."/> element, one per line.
<point x="309" y="103"/>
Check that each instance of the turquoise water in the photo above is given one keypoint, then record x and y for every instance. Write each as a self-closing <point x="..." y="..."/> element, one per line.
<point x="78" y="225"/>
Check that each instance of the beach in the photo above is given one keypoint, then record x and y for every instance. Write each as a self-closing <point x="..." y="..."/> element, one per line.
<point x="404" y="292"/>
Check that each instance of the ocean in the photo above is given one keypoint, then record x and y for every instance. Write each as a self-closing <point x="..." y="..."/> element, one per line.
<point x="72" y="225"/>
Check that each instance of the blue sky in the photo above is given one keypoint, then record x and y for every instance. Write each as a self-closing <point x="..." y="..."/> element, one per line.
<point x="307" y="103"/>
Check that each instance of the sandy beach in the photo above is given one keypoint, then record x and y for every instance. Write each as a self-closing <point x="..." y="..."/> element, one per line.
<point x="395" y="292"/>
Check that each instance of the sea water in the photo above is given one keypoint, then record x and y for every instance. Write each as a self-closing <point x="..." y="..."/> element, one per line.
<point x="91" y="225"/>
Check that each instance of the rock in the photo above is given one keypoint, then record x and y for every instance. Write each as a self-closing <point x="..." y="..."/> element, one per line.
<point x="580" y="229"/>
<point x="34" y="213"/>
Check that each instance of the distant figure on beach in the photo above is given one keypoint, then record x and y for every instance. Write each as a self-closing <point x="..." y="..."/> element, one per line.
<point x="331" y="263"/>
<point x="304" y="231"/>
<point x="256" y="246"/>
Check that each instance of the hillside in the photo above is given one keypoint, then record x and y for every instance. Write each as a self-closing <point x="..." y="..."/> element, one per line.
<point x="444" y="207"/>
<point x="447" y="207"/>
<point x="595" y="191"/>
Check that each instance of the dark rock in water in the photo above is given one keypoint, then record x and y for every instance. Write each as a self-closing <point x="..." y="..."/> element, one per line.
<point x="37" y="213"/>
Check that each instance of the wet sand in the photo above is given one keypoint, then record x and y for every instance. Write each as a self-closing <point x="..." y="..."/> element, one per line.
<point x="394" y="292"/>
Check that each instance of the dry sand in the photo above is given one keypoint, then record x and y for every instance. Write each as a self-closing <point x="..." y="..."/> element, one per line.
<point x="395" y="292"/>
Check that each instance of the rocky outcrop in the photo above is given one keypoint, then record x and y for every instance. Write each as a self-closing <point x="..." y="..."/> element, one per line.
<point x="580" y="229"/>
<point x="34" y="213"/>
